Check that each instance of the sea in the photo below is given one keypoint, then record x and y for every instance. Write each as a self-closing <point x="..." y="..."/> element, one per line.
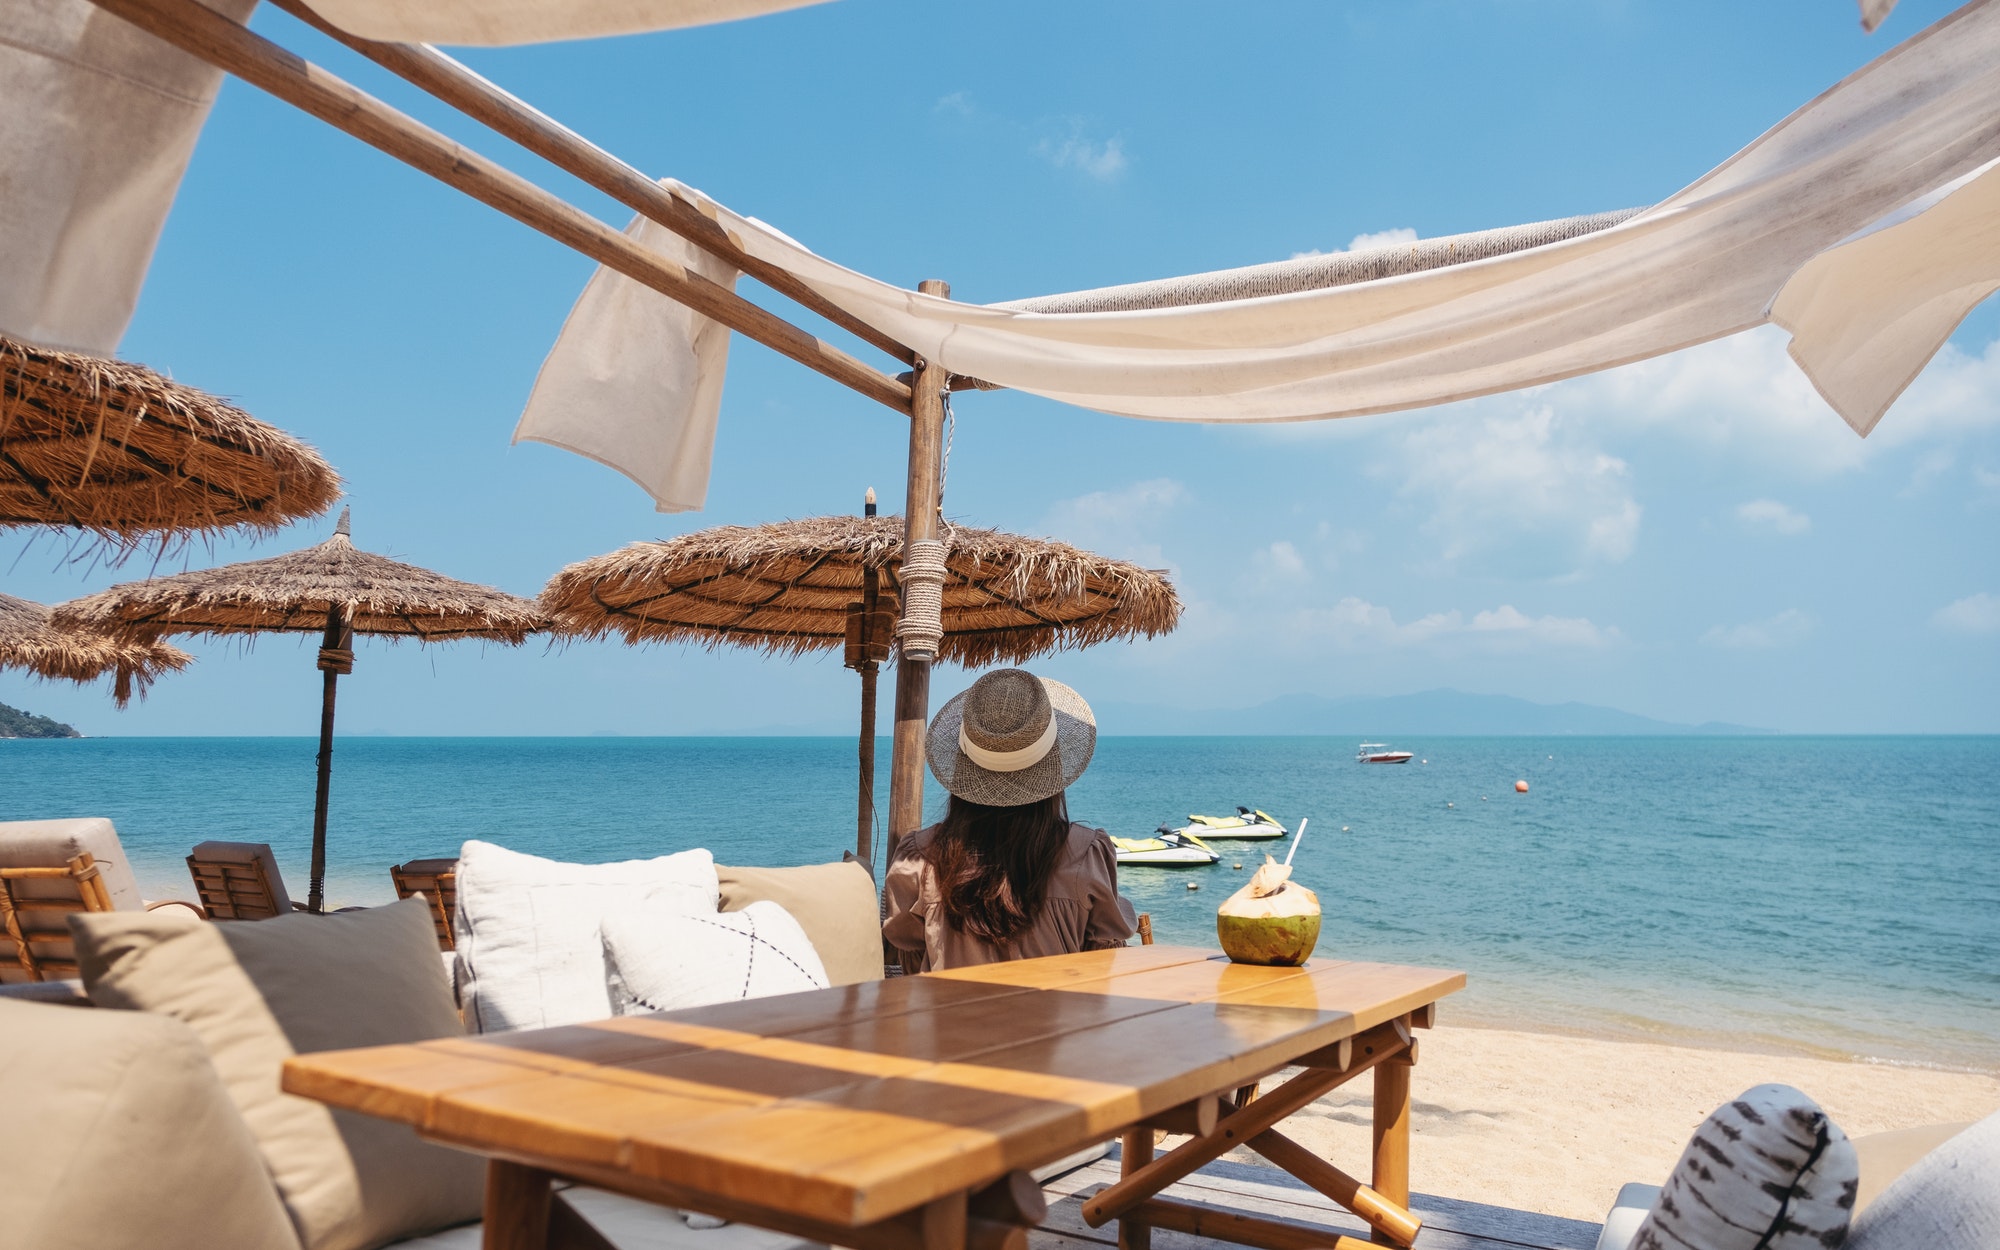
<point x="1836" y="896"/>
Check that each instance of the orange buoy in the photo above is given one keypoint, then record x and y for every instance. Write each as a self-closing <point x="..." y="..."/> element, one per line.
<point x="1520" y="787"/>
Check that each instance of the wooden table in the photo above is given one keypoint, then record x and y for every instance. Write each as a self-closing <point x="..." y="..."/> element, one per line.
<point x="900" y="1114"/>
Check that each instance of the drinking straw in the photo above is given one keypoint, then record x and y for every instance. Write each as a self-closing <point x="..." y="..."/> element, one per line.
<point x="1295" y="840"/>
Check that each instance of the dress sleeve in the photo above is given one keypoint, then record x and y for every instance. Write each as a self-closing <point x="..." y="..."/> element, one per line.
<point x="1112" y="920"/>
<point x="904" y="888"/>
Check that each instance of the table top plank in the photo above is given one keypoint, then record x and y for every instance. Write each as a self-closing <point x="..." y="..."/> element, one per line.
<point x="855" y="1104"/>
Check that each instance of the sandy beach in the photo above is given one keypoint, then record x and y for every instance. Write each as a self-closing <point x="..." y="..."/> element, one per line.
<point x="1556" y="1124"/>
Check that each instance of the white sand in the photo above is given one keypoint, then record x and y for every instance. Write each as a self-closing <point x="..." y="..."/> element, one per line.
<point x="1556" y="1124"/>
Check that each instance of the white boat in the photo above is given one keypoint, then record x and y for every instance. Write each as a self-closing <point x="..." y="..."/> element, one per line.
<point x="1379" y="753"/>
<point x="1248" y="825"/>
<point x="1168" y="847"/>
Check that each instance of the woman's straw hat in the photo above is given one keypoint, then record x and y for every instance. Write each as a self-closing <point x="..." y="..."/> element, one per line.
<point x="1012" y="738"/>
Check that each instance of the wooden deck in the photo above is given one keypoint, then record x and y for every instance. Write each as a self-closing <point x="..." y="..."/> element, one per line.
<point x="1448" y="1224"/>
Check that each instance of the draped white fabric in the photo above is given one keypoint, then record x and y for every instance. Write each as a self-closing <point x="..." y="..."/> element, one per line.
<point x="1704" y="263"/>
<point x="635" y="379"/>
<point x="494" y="23"/>
<point x="1880" y="149"/>
<point x="97" y="122"/>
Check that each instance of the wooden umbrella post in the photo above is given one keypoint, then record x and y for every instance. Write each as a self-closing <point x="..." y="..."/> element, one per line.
<point x="867" y="646"/>
<point x="336" y="656"/>
<point x="920" y="524"/>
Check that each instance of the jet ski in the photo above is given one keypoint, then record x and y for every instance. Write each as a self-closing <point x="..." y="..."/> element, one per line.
<point x="1169" y="847"/>
<point x="1248" y="825"/>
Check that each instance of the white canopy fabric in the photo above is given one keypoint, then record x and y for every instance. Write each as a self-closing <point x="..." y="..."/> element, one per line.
<point x="1892" y="145"/>
<point x="495" y="23"/>
<point x="97" y="122"/>
<point x="635" y="380"/>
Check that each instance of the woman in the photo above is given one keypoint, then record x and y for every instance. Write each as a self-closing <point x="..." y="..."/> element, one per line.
<point x="1006" y="874"/>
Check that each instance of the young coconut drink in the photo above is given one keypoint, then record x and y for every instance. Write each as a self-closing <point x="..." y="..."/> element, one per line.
<point x="1273" y="920"/>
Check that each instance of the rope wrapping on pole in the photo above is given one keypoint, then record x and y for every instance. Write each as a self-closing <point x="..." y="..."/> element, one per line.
<point x="921" y="631"/>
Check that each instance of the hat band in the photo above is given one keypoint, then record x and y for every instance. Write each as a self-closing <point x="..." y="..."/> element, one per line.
<point x="1009" y="761"/>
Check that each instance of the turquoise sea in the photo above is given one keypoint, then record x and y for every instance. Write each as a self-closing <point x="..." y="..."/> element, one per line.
<point x="1833" y="895"/>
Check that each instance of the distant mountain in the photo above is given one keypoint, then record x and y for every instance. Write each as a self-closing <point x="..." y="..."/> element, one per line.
<point x="14" y="723"/>
<point x="1447" y="712"/>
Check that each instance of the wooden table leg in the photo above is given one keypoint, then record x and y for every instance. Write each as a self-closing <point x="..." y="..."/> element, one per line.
<point x="1135" y="1152"/>
<point x="944" y="1223"/>
<point x="517" y="1207"/>
<point x="1392" y="1134"/>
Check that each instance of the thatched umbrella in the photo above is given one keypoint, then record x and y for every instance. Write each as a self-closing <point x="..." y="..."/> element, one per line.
<point x="798" y="586"/>
<point x="29" y="641"/>
<point x="333" y="590"/>
<point x="116" y="450"/>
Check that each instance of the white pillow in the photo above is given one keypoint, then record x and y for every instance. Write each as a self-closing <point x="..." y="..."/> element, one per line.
<point x="529" y="954"/>
<point x="657" y="960"/>
<point x="1766" y="1171"/>
<point x="1948" y="1200"/>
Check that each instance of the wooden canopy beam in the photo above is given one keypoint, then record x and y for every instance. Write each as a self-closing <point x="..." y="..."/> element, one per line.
<point x="201" y="32"/>
<point x="505" y="114"/>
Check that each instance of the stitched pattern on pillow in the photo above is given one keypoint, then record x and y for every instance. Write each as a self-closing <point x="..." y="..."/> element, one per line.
<point x="661" y="961"/>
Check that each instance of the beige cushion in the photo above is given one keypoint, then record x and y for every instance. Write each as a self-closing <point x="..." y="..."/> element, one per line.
<point x="52" y="844"/>
<point x="257" y="994"/>
<point x="834" y="903"/>
<point x="250" y="852"/>
<point x="1886" y="1156"/>
<point x="134" y="1141"/>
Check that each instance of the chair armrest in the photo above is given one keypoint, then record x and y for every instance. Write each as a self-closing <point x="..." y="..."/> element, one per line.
<point x="196" y="908"/>
<point x="1626" y="1214"/>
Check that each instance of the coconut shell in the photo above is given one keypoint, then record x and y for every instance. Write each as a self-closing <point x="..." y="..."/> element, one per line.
<point x="1272" y="920"/>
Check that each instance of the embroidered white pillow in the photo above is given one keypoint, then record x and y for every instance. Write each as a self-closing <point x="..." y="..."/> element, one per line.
<point x="657" y="960"/>
<point x="1766" y="1171"/>
<point x="529" y="952"/>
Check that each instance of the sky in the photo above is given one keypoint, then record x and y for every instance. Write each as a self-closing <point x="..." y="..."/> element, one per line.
<point x="1692" y="538"/>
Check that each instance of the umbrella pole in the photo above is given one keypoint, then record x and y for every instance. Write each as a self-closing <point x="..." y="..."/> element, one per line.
<point x="864" y="818"/>
<point x="335" y="657"/>
<point x="920" y="524"/>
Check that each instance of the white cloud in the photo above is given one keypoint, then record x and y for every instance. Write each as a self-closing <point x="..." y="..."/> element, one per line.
<point x="958" y="103"/>
<point x="1281" y="562"/>
<point x="1785" y="628"/>
<point x="1103" y="160"/>
<point x="1772" y="515"/>
<point x="1382" y="238"/>
<point x="1365" y="241"/>
<point x="1357" y="623"/>
<point x="1974" y="614"/>
<point x="1121" y="523"/>
<point x="1526" y="492"/>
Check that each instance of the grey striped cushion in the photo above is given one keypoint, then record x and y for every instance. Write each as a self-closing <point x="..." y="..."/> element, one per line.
<point x="1766" y="1171"/>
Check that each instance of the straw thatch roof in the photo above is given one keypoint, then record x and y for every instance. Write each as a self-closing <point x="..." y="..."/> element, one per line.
<point x="118" y="451"/>
<point x="28" y="640"/>
<point x="292" y="593"/>
<point x="784" y="588"/>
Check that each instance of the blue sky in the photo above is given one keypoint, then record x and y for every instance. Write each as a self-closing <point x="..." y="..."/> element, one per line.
<point x="1692" y="538"/>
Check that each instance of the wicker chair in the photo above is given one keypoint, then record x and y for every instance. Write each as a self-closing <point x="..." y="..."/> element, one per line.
<point x="81" y="880"/>
<point x="239" y="881"/>
<point x="437" y="881"/>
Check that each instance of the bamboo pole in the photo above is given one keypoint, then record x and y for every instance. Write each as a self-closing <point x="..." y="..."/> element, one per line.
<point x="920" y="518"/>
<point x="337" y="642"/>
<point x="864" y="818"/>
<point x="201" y="32"/>
<point x="506" y="114"/>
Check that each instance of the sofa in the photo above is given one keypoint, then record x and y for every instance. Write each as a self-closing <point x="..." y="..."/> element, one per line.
<point x="145" y="1134"/>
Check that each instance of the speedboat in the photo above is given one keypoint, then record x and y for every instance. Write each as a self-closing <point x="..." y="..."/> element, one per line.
<point x="1247" y="825"/>
<point x="1168" y="847"/>
<point x="1379" y="753"/>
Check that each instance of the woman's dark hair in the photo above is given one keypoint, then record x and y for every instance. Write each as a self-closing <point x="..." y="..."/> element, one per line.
<point x="993" y="864"/>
